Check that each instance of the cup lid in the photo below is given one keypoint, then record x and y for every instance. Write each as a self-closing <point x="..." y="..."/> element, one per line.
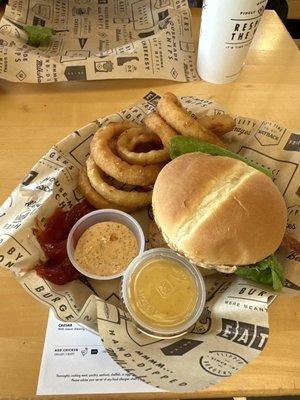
<point x="194" y="272"/>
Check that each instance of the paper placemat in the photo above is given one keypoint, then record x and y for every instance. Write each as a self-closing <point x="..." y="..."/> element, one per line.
<point x="97" y="40"/>
<point x="75" y="361"/>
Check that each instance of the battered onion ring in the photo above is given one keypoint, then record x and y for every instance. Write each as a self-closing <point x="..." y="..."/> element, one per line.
<point x="127" y="141"/>
<point x="95" y="198"/>
<point x="171" y="110"/>
<point x="218" y="124"/>
<point x="159" y="126"/>
<point x="133" y="199"/>
<point x="114" y="165"/>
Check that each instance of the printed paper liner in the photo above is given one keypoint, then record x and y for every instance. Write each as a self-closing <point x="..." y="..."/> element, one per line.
<point x="96" y="40"/>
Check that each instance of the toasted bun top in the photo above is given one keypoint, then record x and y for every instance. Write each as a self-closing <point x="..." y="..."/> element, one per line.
<point x="218" y="210"/>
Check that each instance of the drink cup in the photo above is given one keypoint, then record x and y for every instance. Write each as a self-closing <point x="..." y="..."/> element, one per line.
<point x="227" y="30"/>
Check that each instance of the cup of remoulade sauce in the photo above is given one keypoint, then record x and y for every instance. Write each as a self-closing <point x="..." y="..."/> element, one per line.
<point x="164" y="294"/>
<point x="103" y="243"/>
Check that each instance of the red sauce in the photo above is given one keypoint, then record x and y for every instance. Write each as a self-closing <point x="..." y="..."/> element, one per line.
<point x="53" y="240"/>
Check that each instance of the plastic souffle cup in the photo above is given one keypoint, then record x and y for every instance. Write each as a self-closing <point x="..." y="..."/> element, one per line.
<point x="101" y="216"/>
<point x="164" y="287"/>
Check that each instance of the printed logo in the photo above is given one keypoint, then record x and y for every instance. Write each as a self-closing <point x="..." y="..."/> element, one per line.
<point x="109" y="313"/>
<point x="121" y="20"/>
<point x="187" y="46"/>
<point x="293" y="143"/>
<point x="283" y="171"/>
<point x="180" y="347"/>
<point x="42" y="10"/>
<point x="164" y="288"/>
<point x="269" y="134"/>
<point x="21" y="75"/>
<point x="12" y="251"/>
<point x="10" y="30"/>
<point x="161" y="3"/>
<point x="82" y="42"/>
<point x="242" y="31"/>
<point x="103" y="66"/>
<point x="143" y="19"/>
<point x="245" y="334"/>
<point x="222" y="363"/>
<point x="123" y="60"/>
<point x="75" y="73"/>
<point x="204" y="323"/>
<point x="84" y="351"/>
<point x="174" y="73"/>
<point x="293" y="217"/>
<point x="163" y="14"/>
<point x="152" y="98"/>
<point x="29" y="178"/>
<point x="81" y="10"/>
<point x="145" y="34"/>
<point x="293" y="256"/>
<point x="38" y="21"/>
<point x="75" y="55"/>
<point x="106" y="310"/>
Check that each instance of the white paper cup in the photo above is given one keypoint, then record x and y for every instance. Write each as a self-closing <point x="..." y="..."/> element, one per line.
<point x="226" y="32"/>
<point x="100" y="216"/>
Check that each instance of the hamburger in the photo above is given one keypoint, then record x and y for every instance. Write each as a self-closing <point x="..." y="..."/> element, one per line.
<point x="219" y="212"/>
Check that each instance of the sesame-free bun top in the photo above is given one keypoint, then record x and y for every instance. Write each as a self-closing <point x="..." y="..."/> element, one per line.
<point x="218" y="210"/>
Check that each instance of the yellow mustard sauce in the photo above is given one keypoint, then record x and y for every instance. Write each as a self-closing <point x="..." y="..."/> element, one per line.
<point x="162" y="292"/>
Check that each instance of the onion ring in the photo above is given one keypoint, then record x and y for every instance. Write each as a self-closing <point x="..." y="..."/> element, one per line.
<point x="159" y="126"/>
<point x="218" y="124"/>
<point x="114" y="165"/>
<point x="172" y="111"/>
<point x="127" y="141"/>
<point x="133" y="199"/>
<point x="94" y="198"/>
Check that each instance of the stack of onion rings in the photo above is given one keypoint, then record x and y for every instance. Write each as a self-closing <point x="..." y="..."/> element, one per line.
<point x="127" y="157"/>
<point x="113" y="165"/>
<point x="118" y="176"/>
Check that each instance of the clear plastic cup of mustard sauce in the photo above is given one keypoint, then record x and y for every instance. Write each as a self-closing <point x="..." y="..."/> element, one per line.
<point x="164" y="294"/>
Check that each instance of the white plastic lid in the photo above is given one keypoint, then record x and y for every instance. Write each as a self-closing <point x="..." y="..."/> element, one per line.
<point x="199" y="306"/>
<point x="101" y="216"/>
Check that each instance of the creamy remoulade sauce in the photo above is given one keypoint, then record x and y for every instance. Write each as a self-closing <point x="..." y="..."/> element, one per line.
<point x="162" y="292"/>
<point x="106" y="248"/>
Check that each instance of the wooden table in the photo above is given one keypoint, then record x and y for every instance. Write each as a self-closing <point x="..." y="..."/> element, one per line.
<point x="34" y="117"/>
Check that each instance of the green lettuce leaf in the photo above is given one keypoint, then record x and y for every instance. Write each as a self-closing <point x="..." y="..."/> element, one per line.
<point x="268" y="271"/>
<point x="182" y="144"/>
<point x="38" y="35"/>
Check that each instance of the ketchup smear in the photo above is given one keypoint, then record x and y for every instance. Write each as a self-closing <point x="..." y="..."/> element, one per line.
<point x="53" y="239"/>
